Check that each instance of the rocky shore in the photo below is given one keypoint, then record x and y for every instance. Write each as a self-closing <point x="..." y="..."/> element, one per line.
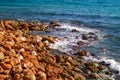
<point x="24" y="56"/>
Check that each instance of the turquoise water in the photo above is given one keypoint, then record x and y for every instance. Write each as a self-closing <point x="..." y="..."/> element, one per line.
<point x="99" y="14"/>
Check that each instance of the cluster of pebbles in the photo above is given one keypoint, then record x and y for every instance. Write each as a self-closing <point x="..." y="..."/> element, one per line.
<point x="25" y="56"/>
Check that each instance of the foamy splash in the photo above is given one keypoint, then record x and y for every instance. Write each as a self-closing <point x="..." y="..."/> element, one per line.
<point x="81" y="29"/>
<point x="69" y="39"/>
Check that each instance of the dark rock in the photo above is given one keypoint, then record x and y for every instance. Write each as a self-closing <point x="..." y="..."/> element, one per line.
<point x="101" y="67"/>
<point x="59" y="58"/>
<point x="74" y="30"/>
<point x="88" y="71"/>
<point x="85" y="37"/>
<point x="78" y="76"/>
<point x="90" y="64"/>
<point x="108" y="72"/>
<point x="91" y="33"/>
<point x="92" y="68"/>
<point x="80" y="43"/>
<point x="83" y="53"/>
<point x="54" y="23"/>
<point x="94" y="76"/>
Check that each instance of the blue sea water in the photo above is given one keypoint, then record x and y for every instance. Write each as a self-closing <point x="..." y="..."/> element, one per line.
<point x="100" y="14"/>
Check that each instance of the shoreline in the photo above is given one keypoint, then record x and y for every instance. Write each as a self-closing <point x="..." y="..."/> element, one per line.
<point x="29" y="57"/>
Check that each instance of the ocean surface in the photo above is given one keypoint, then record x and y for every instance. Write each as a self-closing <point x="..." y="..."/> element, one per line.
<point x="102" y="16"/>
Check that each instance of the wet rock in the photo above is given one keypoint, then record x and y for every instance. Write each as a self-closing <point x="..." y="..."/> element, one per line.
<point x="92" y="68"/>
<point x="88" y="71"/>
<point x="77" y="69"/>
<point x="91" y="33"/>
<point x="17" y="77"/>
<point x="85" y="37"/>
<point x="79" y="76"/>
<point x="80" y="43"/>
<point x="54" y="24"/>
<point x="43" y="26"/>
<point x="83" y="53"/>
<point x="108" y="72"/>
<point x="74" y="30"/>
<point x="94" y="76"/>
<point x="59" y="58"/>
<point x="7" y="46"/>
<point x="101" y="67"/>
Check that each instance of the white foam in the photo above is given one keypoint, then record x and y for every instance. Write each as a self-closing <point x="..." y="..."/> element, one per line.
<point x="81" y="29"/>
<point x="69" y="39"/>
<point x="113" y="64"/>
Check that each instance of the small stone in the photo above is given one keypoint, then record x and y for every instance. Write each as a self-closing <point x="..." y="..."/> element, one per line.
<point x="101" y="67"/>
<point x="17" y="69"/>
<point x="67" y="64"/>
<point x="1" y="55"/>
<point x="78" y="76"/>
<point x="85" y="37"/>
<point x="74" y="30"/>
<point x="29" y="75"/>
<point x="59" y="58"/>
<point x="83" y="53"/>
<point x="94" y="76"/>
<point x="108" y="72"/>
<point x="77" y="69"/>
<point x="6" y="66"/>
<point x="41" y="75"/>
<point x="80" y="43"/>
<point x="91" y="33"/>
<point x="92" y="68"/>
<point x="3" y="77"/>
<point x="102" y="75"/>
<point x="54" y="24"/>
<point x="88" y="71"/>
<point x="1" y="69"/>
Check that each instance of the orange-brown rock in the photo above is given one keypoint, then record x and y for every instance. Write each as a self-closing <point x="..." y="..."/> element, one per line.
<point x="92" y="68"/>
<point x="79" y="76"/>
<point x="29" y="75"/>
<point x="5" y="66"/>
<point x="7" y="46"/>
